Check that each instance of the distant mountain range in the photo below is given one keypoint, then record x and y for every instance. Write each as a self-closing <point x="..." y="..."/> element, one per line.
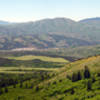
<point x="50" y="33"/>
<point x="90" y="19"/>
<point x="4" y="23"/>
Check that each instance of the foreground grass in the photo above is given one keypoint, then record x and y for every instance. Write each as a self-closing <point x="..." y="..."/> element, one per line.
<point x="24" y="70"/>
<point x="59" y="87"/>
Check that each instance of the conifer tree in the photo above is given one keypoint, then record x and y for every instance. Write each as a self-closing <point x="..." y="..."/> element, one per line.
<point x="89" y="85"/>
<point x="79" y="76"/>
<point x="74" y="77"/>
<point x="6" y="90"/>
<point x="1" y="91"/>
<point x="21" y="84"/>
<point x="86" y="72"/>
<point x="14" y="86"/>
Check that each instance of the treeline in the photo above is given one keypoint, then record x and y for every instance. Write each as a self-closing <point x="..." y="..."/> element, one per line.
<point x="80" y="75"/>
<point x="85" y="74"/>
<point x="28" y="63"/>
<point x="23" y="80"/>
<point x="37" y="53"/>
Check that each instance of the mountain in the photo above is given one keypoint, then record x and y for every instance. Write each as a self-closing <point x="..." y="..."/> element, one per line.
<point x="50" y="33"/>
<point x="4" y="23"/>
<point x="90" y="19"/>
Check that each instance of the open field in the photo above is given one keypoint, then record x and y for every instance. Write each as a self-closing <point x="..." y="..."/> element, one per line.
<point x="43" y="58"/>
<point x="32" y="61"/>
<point x="24" y="70"/>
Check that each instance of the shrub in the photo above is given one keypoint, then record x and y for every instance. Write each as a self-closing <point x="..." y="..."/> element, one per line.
<point x="37" y="88"/>
<point x="60" y="80"/>
<point x="31" y="86"/>
<point x="72" y="91"/>
<point x="54" y="82"/>
<point x="69" y="77"/>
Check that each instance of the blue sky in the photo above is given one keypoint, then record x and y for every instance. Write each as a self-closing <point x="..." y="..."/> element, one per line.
<point x="31" y="10"/>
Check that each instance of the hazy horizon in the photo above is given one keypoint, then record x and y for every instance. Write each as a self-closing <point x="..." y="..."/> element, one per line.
<point x="46" y="18"/>
<point x="33" y="10"/>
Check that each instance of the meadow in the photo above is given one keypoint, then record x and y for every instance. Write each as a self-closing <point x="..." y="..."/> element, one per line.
<point x="43" y="58"/>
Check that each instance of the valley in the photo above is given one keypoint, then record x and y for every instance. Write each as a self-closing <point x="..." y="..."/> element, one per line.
<point x="55" y="82"/>
<point x="49" y="49"/>
<point x="50" y="59"/>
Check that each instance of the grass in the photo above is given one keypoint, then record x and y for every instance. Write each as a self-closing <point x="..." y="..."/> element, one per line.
<point x="24" y="70"/>
<point x="43" y="58"/>
<point x="33" y="61"/>
<point x="78" y="52"/>
<point x="59" y="87"/>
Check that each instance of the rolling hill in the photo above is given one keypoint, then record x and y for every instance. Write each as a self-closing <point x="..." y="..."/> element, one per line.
<point x="50" y="33"/>
<point x="67" y="83"/>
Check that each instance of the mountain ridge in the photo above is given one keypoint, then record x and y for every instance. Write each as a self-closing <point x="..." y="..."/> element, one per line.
<point x="49" y="33"/>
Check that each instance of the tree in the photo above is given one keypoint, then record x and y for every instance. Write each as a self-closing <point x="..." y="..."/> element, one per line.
<point x="79" y="76"/>
<point x="89" y="85"/>
<point x="14" y="85"/>
<point x="6" y="90"/>
<point x="21" y="84"/>
<point x="93" y="79"/>
<point x="74" y="77"/>
<point x="87" y="73"/>
<point x="1" y="91"/>
<point x="26" y="85"/>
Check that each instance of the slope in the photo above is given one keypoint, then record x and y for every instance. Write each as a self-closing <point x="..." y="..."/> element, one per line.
<point x="49" y="33"/>
<point x="61" y="87"/>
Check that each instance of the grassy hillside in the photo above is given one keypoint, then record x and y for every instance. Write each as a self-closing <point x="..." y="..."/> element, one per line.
<point x="78" y="52"/>
<point x="60" y="86"/>
<point x="43" y="58"/>
<point x="70" y="54"/>
<point x="32" y="61"/>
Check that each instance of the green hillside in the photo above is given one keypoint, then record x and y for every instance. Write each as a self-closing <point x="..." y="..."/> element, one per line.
<point x="78" y="52"/>
<point x="70" y="54"/>
<point x="32" y="61"/>
<point x="43" y="58"/>
<point x="77" y="80"/>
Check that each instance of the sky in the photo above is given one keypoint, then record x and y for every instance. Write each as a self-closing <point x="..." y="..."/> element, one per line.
<point x="32" y="10"/>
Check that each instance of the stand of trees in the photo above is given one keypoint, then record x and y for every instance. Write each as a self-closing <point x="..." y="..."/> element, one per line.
<point x="79" y="75"/>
